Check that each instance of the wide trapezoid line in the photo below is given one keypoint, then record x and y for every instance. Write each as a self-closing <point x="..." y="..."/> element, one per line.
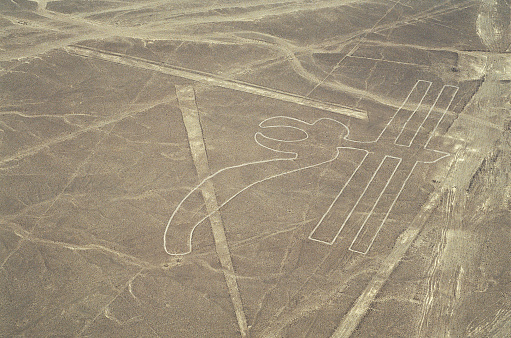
<point x="215" y="80"/>
<point x="188" y="106"/>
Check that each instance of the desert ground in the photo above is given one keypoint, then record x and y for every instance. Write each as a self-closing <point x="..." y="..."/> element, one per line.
<point x="253" y="168"/>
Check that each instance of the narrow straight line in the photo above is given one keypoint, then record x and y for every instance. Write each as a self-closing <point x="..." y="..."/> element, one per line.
<point x="311" y="235"/>
<point x="388" y="61"/>
<point x="188" y="106"/>
<point x="443" y="113"/>
<point x="355" y="48"/>
<point x="413" y="113"/>
<point x="215" y="80"/>
<point x="374" y="207"/>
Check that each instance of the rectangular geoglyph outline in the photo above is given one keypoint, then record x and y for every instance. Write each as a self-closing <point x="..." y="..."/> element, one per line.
<point x="431" y="109"/>
<point x="371" y="212"/>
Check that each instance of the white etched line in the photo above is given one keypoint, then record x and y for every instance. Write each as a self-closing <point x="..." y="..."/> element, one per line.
<point x="358" y="201"/>
<point x="355" y="48"/>
<point x="410" y="118"/>
<point x="389" y="211"/>
<point x="180" y="205"/>
<point x="421" y="88"/>
<point x="389" y="61"/>
<point x="429" y="114"/>
<point x="359" y="309"/>
<point x="399" y="160"/>
<point x="415" y="89"/>
<point x="443" y="114"/>
<point x="405" y="102"/>
<point x="394" y="116"/>
<point x="435" y="105"/>
<point x="238" y="193"/>
<point x="311" y="235"/>
<point x="285" y="141"/>
<point x="300" y="122"/>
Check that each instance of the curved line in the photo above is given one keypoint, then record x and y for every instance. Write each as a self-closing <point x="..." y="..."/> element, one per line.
<point x="284" y="117"/>
<point x="198" y="186"/>
<point x="232" y="197"/>
<point x="306" y="123"/>
<point x="275" y="150"/>
<point x="283" y="126"/>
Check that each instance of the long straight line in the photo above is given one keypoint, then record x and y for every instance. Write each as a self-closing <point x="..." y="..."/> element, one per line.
<point x="358" y="201"/>
<point x="215" y="80"/>
<point x="188" y="106"/>
<point x="358" y="311"/>
<point x="355" y="48"/>
<point x="375" y="204"/>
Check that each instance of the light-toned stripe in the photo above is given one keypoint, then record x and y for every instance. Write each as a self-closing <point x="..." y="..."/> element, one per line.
<point x="215" y="80"/>
<point x="359" y="309"/>
<point x="188" y="106"/>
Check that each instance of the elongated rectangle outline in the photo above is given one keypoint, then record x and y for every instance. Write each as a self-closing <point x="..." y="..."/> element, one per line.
<point x="311" y="236"/>
<point x="405" y="134"/>
<point x="371" y="212"/>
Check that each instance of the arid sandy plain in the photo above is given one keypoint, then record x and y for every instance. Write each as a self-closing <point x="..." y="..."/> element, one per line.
<point x="252" y="168"/>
